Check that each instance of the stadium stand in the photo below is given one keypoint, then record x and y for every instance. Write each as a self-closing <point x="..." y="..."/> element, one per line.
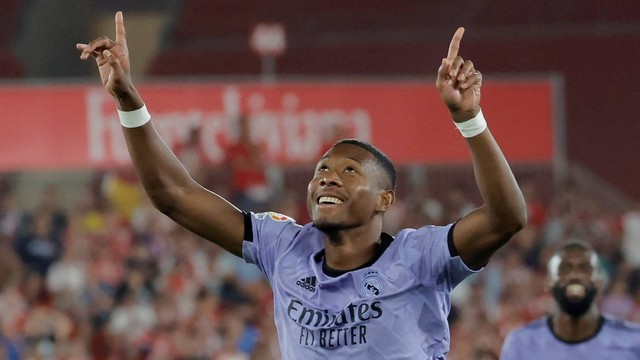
<point x="338" y="38"/>
<point x="10" y="65"/>
<point x="126" y="283"/>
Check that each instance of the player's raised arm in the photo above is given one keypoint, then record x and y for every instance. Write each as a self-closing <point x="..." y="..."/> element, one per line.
<point x="164" y="178"/>
<point x="479" y="234"/>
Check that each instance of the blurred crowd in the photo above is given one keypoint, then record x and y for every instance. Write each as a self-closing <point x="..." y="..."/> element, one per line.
<point x="109" y="277"/>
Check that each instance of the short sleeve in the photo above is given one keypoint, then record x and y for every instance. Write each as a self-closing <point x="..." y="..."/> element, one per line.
<point x="430" y="258"/>
<point x="271" y="234"/>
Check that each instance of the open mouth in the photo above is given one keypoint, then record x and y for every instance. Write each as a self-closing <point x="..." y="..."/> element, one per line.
<point x="329" y="200"/>
<point x="576" y="290"/>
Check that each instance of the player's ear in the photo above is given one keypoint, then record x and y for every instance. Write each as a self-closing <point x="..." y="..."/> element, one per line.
<point x="385" y="200"/>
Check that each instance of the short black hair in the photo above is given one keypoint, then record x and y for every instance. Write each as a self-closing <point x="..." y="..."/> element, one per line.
<point x="381" y="158"/>
<point x="575" y="244"/>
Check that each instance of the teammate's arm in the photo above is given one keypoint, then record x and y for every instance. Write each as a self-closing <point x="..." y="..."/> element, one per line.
<point x="165" y="180"/>
<point x="479" y="234"/>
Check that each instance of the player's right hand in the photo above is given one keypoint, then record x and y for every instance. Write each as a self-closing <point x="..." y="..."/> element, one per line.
<point x="112" y="58"/>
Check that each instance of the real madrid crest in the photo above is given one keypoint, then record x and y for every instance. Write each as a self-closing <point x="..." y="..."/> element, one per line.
<point x="371" y="285"/>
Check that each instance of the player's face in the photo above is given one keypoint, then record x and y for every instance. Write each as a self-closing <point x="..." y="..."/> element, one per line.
<point x="574" y="275"/>
<point x="346" y="188"/>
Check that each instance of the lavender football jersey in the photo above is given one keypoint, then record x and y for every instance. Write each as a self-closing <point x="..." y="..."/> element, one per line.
<point x="615" y="339"/>
<point x="394" y="308"/>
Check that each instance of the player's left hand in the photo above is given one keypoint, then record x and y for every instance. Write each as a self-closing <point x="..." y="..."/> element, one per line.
<point x="459" y="82"/>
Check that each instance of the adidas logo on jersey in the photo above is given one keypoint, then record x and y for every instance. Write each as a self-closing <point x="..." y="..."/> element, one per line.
<point x="308" y="283"/>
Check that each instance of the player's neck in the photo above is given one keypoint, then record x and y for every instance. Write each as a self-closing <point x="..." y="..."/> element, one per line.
<point x="349" y="249"/>
<point x="572" y="329"/>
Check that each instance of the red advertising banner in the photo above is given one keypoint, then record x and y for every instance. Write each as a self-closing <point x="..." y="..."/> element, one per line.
<point x="74" y="126"/>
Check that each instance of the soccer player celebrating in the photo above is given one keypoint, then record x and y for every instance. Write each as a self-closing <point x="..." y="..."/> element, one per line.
<point x="342" y="288"/>
<point x="576" y="329"/>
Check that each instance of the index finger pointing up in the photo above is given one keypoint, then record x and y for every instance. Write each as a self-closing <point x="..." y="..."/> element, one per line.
<point x="120" y="33"/>
<point x="455" y="44"/>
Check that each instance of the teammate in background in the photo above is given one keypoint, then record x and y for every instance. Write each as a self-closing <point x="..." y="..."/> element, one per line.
<point x="342" y="288"/>
<point x="575" y="329"/>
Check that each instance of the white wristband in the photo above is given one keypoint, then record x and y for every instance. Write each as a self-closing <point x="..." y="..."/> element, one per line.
<point x="473" y="126"/>
<point x="135" y="118"/>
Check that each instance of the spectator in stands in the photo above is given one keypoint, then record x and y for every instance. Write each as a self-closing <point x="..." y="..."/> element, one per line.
<point x="575" y="329"/>
<point x="330" y="299"/>
<point x="249" y="178"/>
<point x="8" y="349"/>
<point x="536" y="209"/>
<point x="67" y="277"/>
<point x="631" y="235"/>
<point x="190" y="154"/>
<point x="10" y="215"/>
<point x="40" y="235"/>
<point x="39" y="244"/>
<point x="10" y="265"/>
<point x="457" y="203"/>
<point x="51" y="209"/>
<point x="47" y="329"/>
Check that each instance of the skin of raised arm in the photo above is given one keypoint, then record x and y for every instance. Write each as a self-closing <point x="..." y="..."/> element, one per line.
<point x="164" y="178"/>
<point x="479" y="234"/>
